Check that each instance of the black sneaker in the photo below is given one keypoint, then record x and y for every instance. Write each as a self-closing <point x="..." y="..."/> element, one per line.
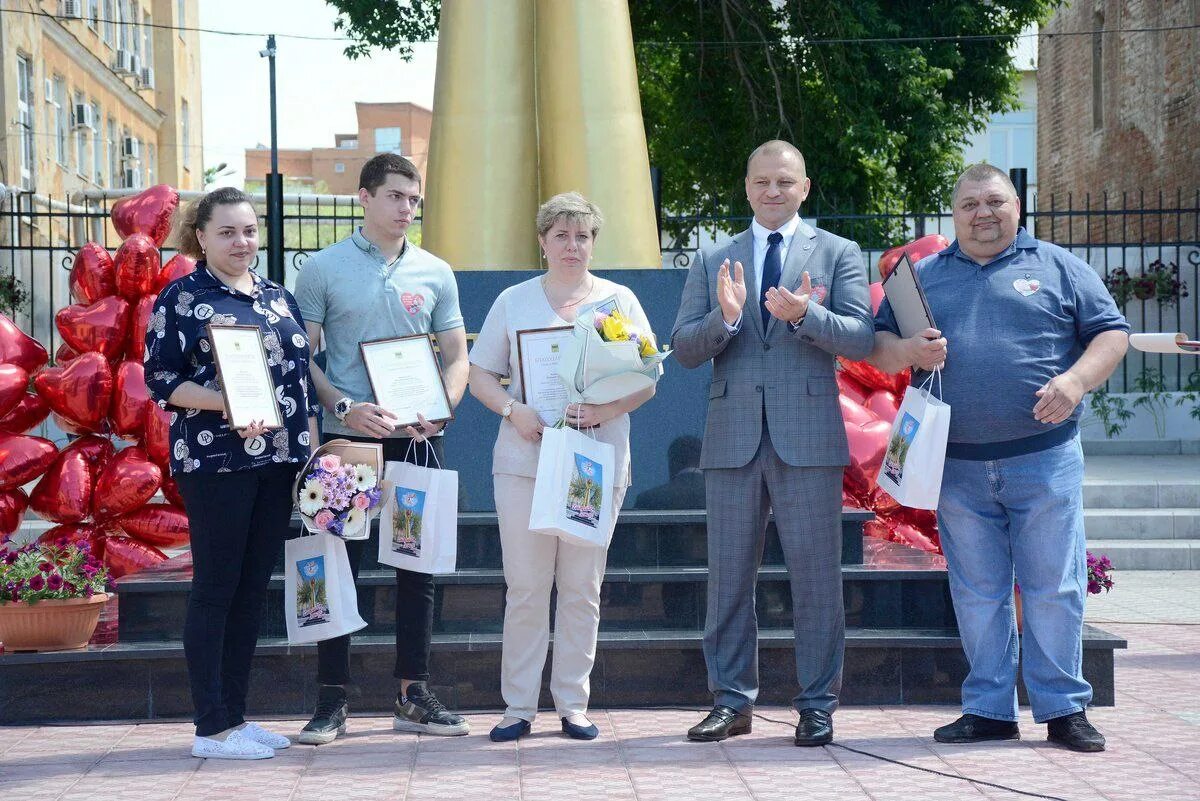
<point x="1074" y="732"/>
<point x="330" y="718"/>
<point x="976" y="729"/>
<point x="422" y="712"/>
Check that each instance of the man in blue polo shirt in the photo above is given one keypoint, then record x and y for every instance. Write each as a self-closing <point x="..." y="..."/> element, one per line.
<point x="1026" y="329"/>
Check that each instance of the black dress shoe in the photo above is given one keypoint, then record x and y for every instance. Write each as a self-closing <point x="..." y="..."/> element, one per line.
<point x="1074" y="732"/>
<point x="977" y="729"/>
<point x="815" y="727"/>
<point x="722" y="722"/>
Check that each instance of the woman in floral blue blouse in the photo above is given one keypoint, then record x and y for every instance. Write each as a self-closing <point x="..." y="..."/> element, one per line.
<point x="236" y="485"/>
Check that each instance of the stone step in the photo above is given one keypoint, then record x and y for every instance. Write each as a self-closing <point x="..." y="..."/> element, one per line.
<point x="1149" y="554"/>
<point x="145" y="681"/>
<point x="1106" y="494"/>
<point x="1143" y="524"/>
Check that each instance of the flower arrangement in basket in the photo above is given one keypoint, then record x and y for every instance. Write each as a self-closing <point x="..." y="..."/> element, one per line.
<point x="609" y="357"/>
<point x="40" y="572"/>
<point x="339" y="490"/>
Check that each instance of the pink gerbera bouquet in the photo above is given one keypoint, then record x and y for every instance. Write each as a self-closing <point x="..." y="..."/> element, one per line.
<point x="338" y="497"/>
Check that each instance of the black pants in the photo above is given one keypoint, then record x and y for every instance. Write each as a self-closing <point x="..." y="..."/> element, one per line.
<point x="414" y="591"/>
<point x="238" y="523"/>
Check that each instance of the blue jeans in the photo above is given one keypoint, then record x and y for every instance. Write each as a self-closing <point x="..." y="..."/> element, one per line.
<point x="1021" y="516"/>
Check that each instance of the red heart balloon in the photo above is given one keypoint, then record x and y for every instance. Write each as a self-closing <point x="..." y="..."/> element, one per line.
<point x="177" y="267"/>
<point x="126" y="482"/>
<point x="23" y="458"/>
<point x="873" y="378"/>
<point x="79" y="534"/>
<point x="80" y="392"/>
<point x="147" y="212"/>
<point x="13" y="504"/>
<point x="64" y="355"/>
<point x="101" y="327"/>
<point x="867" y="445"/>
<point x="17" y="347"/>
<point x="917" y="249"/>
<point x="855" y="413"/>
<point x="879" y="529"/>
<point x="64" y="494"/>
<point x="156" y="436"/>
<point x="170" y="491"/>
<point x="137" y="333"/>
<point x="138" y="265"/>
<point x="97" y="450"/>
<point x="157" y="524"/>
<point x="128" y="412"/>
<point x="30" y="411"/>
<point x="913" y="537"/>
<point x="877" y="296"/>
<point x="883" y="404"/>
<point x="93" y="275"/>
<point x="883" y="505"/>
<point x="123" y="556"/>
<point x="851" y="388"/>
<point x="14" y="383"/>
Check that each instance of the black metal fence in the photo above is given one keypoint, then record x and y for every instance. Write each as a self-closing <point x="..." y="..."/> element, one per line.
<point x="1131" y="232"/>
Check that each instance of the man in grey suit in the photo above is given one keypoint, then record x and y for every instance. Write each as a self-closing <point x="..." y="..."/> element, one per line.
<point x="772" y="308"/>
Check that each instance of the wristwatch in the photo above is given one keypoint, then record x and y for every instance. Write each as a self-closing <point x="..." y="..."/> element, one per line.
<point x="342" y="408"/>
<point x="506" y="412"/>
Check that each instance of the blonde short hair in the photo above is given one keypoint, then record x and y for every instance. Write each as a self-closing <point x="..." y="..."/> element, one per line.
<point x="570" y="206"/>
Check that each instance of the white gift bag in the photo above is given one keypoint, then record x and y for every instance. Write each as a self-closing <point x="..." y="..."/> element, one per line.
<point x="573" y="492"/>
<point x="418" y="526"/>
<point x="916" y="452"/>
<point x="319" y="601"/>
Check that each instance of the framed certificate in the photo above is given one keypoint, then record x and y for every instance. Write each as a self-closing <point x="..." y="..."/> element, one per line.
<point x="538" y="354"/>
<point x="406" y="378"/>
<point x="248" y="388"/>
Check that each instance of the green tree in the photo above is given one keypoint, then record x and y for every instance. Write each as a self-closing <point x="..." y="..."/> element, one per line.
<point x="881" y="123"/>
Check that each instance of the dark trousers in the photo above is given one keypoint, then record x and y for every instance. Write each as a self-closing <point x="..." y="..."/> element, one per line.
<point x="414" y="591"/>
<point x="238" y="523"/>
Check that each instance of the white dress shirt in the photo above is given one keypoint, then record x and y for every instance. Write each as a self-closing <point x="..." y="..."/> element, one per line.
<point x="760" y="233"/>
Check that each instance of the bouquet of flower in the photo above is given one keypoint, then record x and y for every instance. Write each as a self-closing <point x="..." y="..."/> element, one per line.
<point x="41" y="571"/>
<point x="1098" y="577"/>
<point x="609" y="358"/>
<point x="337" y="495"/>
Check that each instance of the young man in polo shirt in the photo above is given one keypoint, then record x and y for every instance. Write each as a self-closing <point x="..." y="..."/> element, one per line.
<point x="377" y="285"/>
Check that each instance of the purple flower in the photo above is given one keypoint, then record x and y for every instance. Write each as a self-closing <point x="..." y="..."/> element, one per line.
<point x="88" y="592"/>
<point x="90" y="570"/>
<point x="55" y="582"/>
<point x="10" y="557"/>
<point x="45" y="567"/>
<point x="37" y="583"/>
<point x="336" y="526"/>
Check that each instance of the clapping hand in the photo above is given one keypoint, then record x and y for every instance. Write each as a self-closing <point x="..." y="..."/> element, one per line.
<point x="790" y="307"/>
<point x="731" y="291"/>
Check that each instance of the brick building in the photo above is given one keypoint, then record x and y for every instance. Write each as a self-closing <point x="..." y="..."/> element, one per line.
<point x="1118" y="112"/>
<point x="397" y="127"/>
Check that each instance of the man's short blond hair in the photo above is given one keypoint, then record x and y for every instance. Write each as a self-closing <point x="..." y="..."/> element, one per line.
<point x="776" y="147"/>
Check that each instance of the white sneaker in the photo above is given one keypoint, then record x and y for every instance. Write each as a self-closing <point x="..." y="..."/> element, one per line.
<point x="235" y="746"/>
<point x="263" y="737"/>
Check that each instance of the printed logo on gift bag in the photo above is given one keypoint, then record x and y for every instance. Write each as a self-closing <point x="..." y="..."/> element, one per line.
<point x="407" y="516"/>
<point x="586" y="493"/>
<point x="312" y="603"/>
<point x="897" y="450"/>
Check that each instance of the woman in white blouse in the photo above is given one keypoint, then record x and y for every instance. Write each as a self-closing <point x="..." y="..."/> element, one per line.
<point x="567" y="225"/>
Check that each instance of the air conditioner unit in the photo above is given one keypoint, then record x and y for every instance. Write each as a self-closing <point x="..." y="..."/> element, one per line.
<point x="124" y="64"/>
<point x="135" y="65"/>
<point x="70" y="9"/>
<point x="82" y="117"/>
<point x="131" y="149"/>
<point x="146" y="80"/>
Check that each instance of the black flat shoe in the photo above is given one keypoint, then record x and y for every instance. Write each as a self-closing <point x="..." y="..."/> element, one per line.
<point x="506" y="734"/>
<point x="576" y="732"/>
<point x="1074" y="732"/>
<point x="722" y="722"/>
<point x="977" y="729"/>
<point x="815" y="728"/>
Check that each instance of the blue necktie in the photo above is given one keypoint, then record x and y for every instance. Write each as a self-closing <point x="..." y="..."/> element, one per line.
<point x="770" y="274"/>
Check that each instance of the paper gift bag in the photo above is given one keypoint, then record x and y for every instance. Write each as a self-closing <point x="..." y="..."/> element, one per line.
<point x="418" y="527"/>
<point x="916" y="452"/>
<point x="320" y="601"/>
<point x="573" y="492"/>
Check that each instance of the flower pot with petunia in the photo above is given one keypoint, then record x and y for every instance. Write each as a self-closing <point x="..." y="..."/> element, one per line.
<point x="50" y="597"/>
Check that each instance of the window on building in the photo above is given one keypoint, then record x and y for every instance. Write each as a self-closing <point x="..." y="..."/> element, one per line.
<point x="123" y="30"/>
<point x="135" y="30"/>
<point x="97" y="145"/>
<point x="110" y="23"/>
<point x="339" y="167"/>
<point x="59" y="105"/>
<point x="151" y="165"/>
<point x="147" y="41"/>
<point x="114" y="155"/>
<point x="80" y="132"/>
<point x="181" y="16"/>
<point x="94" y="14"/>
<point x="185" y="135"/>
<point x="1098" y="71"/>
<point x="387" y="140"/>
<point x="25" y="119"/>
<point x="348" y="144"/>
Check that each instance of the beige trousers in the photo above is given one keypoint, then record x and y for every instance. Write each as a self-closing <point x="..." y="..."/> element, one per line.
<point x="533" y="563"/>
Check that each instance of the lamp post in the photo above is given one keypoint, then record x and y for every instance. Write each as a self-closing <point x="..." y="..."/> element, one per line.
<point x="274" y="183"/>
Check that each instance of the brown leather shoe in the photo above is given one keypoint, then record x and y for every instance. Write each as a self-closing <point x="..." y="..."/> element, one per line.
<point x="722" y="722"/>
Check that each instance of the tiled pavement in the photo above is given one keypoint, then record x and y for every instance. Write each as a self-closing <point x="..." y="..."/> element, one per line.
<point x="1153" y="734"/>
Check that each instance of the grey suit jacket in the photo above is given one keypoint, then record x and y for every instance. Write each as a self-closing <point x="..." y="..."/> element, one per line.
<point x="792" y="374"/>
